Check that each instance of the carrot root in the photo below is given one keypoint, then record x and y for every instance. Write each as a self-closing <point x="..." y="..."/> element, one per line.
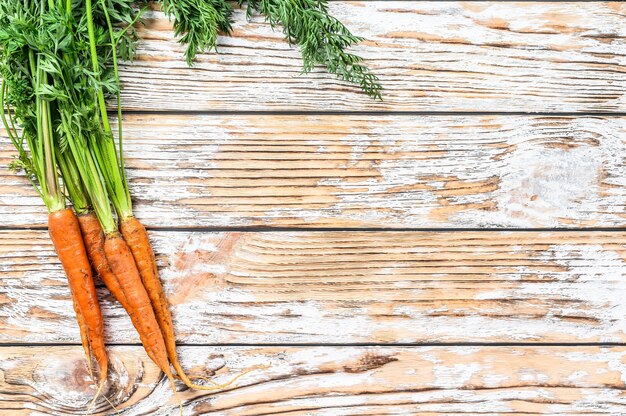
<point x="114" y="263"/>
<point x="136" y="236"/>
<point x="98" y="392"/>
<point x="123" y="267"/>
<point x="84" y="335"/>
<point x="220" y="386"/>
<point x="65" y="234"/>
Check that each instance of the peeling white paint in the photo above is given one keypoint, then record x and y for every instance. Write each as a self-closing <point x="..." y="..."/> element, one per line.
<point x="456" y="375"/>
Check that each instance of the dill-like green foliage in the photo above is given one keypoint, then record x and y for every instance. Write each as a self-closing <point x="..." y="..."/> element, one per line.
<point x="26" y="94"/>
<point x="58" y="64"/>
<point x="198" y="23"/>
<point x="322" y="38"/>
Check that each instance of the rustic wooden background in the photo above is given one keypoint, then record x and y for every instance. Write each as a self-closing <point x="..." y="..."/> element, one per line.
<point x="459" y="248"/>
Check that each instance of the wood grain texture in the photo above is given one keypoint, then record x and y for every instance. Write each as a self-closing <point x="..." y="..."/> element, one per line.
<point x="431" y="56"/>
<point x="345" y="287"/>
<point x="224" y="169"/>
<point x="328" y="381"/>
<point x="363" y="171"/>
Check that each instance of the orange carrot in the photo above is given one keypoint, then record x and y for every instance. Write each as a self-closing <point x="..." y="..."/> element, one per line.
<point x="65" y="234"/>
<point x="137" y="238"/>
<point x="130" y="287"/>
<point x="112" y="253"/>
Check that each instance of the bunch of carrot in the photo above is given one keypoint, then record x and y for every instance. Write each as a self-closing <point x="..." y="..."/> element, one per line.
<point x="59" y="66"/>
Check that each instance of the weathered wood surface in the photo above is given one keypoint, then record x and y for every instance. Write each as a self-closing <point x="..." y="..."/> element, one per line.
<point x="375" y="169"/>
<point x="328" y="381"/>
<point x="346" y="287"/>
<point x="362" y="171"/>
<point x="431" y="56"/>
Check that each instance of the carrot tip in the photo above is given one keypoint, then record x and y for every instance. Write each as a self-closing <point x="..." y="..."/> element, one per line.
<point x="110" y="403"/>
<point x="170" y="377"/>
<point x="218" y="386"/>
<point x="98" y="392"/>
<point x="89" y="364"/>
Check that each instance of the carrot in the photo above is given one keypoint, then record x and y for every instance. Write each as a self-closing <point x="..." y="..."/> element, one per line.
<point x="138" y="305"/>
<point x="130" y="287"/>
<point x="137" y="239"/>
<point x="112" y="260"/>
<point x="65" y="234"/>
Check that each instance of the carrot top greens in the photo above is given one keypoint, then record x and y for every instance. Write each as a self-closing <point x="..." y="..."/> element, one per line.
<point x="110" y="162"/>
<point x="58" y="62"/>
<point x="323" y="39"/>
<point x="198" y="23"/>
<point x="27" y="93"/>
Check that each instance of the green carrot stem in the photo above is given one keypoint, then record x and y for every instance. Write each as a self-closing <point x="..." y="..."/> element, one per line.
<point x="120" y="138"/>
<point x="104" y="149"/>
<point x="72" y="181"/>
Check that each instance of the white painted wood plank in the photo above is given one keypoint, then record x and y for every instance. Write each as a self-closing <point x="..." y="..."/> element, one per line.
<point x="431" y="56"/>
<point x="328" y="381"/>
<point x="345" y="287"/>
<point x="363" y="171"/>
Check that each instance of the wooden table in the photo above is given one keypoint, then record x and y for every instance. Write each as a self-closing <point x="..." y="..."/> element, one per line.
<point x="458" y="248"/>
